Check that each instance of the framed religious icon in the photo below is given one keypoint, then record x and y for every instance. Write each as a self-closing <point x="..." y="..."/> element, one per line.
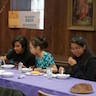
<point x="81" y="15"/>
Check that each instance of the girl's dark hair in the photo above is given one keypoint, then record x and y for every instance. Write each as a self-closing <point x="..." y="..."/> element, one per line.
<point x="39" y="41"/>
<point x="79" y="40"/>
<point x="23" y="41"/>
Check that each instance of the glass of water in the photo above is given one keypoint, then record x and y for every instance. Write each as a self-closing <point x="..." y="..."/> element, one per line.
<point x="49" y="72"/>
<point x="0" y="63"/>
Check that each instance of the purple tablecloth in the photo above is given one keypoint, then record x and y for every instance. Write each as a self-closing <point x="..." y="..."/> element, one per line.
<point x="30" y="85"/>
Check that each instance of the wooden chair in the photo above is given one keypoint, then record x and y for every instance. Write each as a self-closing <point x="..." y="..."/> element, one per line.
<point x="61" y="63"/>
<point x="41" y="93"/>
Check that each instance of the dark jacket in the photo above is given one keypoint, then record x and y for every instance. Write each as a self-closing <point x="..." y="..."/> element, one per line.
<point x="26" y="58"/>
<point x="85" y="67"/>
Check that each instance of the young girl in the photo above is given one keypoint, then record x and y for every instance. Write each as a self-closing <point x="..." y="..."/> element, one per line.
<point x="19" y="53"/>
<point x="43" y="59"/>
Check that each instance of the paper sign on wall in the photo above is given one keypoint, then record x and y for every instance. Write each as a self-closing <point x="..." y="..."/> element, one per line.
<point x="24" y="19"/>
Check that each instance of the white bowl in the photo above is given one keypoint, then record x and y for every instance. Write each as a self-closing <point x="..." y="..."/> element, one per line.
<point x="8" y="66"/>
<point x="7" y="74"/>
<point x="26" y="70"/>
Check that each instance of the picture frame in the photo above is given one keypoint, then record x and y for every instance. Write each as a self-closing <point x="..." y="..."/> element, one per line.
<point x="81" y="15"/>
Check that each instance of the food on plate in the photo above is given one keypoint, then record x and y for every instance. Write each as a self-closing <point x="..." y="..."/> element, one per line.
<point x="82" y="88"/>
<point x="35" y="72"/>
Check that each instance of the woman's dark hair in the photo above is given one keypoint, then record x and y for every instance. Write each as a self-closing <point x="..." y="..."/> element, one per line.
<point x="79" y="40"/>
<point x="39" y="41"/>
<point x="23" y="41"/>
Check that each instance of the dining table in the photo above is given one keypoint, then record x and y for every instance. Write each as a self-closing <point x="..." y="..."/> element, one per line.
<point x="31" y="84"/>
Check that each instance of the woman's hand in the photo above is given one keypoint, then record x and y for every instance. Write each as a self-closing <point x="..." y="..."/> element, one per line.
<point x="37" y="69"/>
<point x="71" y="61"/>
<point x="40" y="70"/>
<point x="3" y="58"/>
<point x="23" y="66"/>
<point x="61" y="70"/>
<point x="53" y="68"/>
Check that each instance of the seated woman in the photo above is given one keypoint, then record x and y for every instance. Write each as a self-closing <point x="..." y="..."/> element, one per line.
<point x="20" y="53"/>
<point x="43" y="59"/>
<point x="82" y="63"/>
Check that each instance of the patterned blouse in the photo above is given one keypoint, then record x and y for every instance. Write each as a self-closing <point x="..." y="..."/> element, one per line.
<point x="46" y="60"/>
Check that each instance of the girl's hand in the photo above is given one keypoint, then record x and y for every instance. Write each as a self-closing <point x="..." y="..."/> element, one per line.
<point x="71" y="61"/>
<point x="3" y="58"/>
<point x="37" y="69"/>
<point x="61" y="70"/>
<point x="40" y="70"/>
<point x="23" y="66"/>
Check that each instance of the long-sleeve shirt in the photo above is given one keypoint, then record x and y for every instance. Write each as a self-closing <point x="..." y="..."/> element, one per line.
<point x="85" y="67"/>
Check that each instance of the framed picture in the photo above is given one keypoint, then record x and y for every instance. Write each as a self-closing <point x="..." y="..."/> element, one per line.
<point x="81" y="15"/>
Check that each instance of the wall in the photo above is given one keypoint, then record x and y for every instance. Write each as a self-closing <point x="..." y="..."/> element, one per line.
<point x="55" y="30"/>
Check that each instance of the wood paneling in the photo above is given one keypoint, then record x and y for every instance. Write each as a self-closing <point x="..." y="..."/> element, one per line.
<point x="55" y="30"/>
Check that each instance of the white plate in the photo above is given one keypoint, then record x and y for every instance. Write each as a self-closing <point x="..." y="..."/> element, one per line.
<point x="59" y="76"/>
<point x="63" y="76"/>
<point x="8" y="66"/>
<point x="7" y="74"/>
<point x="52" y="75"/>
<point x="26" y="70"/>
<point x="36" y="73"/>
<point x="1" y="71"/>
<point x="28" y="73"/>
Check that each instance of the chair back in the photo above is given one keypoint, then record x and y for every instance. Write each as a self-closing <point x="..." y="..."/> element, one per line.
<point x="41" y="93"/>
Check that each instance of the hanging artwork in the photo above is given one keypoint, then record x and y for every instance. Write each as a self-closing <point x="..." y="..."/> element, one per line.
<point x="81" y="14"/>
